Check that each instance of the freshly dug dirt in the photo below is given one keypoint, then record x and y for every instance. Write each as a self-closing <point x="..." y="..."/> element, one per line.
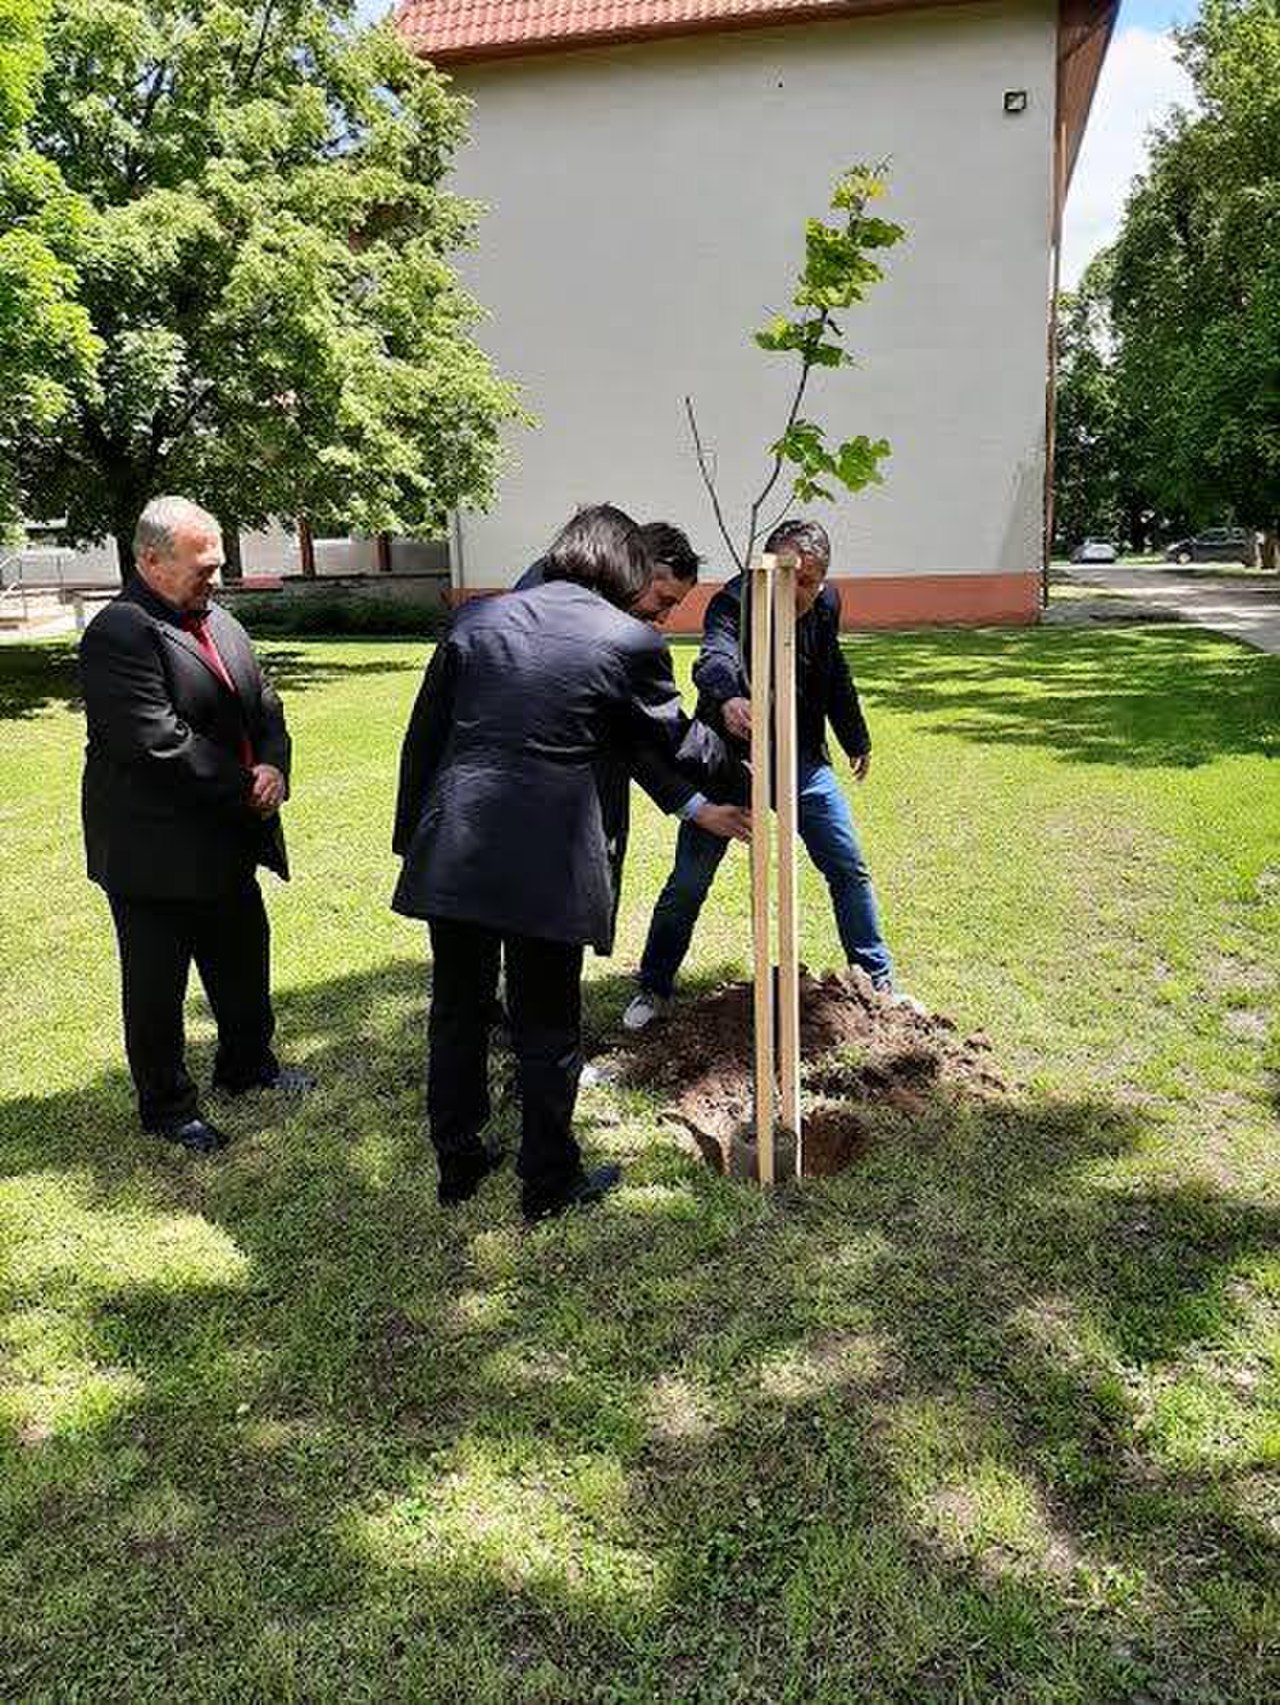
<point x="861" y="1055"/>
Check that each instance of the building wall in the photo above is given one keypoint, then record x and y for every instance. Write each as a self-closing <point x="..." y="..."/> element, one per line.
<point x="648" y="208"/>
<point x="271" y="555"/>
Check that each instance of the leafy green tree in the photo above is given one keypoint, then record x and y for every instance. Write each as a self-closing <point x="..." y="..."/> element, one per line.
<point x="1100" y="489"/>
<point x="1196" y="287"/>
<point x="268" y="264"/>
<point x="46" y="345"/>
<point x="1086" y="460"/>
<point x="840" y="267"/>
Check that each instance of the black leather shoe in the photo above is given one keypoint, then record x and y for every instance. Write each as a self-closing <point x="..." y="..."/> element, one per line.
<point x="197" y="1136"/>
<point x="587" y="1189"/>
<point x="284" y="1080"/>
<point x="464" y="1173"/>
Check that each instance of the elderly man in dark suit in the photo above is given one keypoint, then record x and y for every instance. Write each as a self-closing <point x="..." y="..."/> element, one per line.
<point x="528" y="708"/>
<point x="186" y="768"/>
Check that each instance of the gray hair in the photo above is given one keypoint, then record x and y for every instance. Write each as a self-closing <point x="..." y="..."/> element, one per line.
<point x="163" y="518"/>
<point x="809" y="538"/>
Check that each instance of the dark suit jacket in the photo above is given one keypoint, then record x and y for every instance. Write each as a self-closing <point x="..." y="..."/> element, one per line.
<point x="534" y="575"/>
<point x="165" y="793"/>
<point x="528" y="708"/>
<point x="825" y="692"/>
<point x="651" y="768"/>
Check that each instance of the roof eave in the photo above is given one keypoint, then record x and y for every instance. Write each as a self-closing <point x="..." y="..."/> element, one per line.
<point x="1085" y="28"/>
<point x="583" y="40"/>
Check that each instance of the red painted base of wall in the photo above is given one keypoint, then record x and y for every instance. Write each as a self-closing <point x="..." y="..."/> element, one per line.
<point x="892" y="601"/>
<point x="908" y="601"/>
<point x="941" y="600"/>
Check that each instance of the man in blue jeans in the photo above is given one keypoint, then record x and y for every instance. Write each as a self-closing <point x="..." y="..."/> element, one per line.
<point x="825" y="693"/>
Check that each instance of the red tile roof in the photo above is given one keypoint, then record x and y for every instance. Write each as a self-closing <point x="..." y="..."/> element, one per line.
<point x="477" y="29"/>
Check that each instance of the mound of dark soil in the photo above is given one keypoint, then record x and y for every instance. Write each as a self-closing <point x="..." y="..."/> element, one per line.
<point x="861" y="1055"/>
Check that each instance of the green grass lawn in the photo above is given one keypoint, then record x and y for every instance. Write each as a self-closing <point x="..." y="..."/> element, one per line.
<point x="992" y="1417"/>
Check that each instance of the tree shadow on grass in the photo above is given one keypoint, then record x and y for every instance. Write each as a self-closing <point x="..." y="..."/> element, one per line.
<point x="36" y="677"/>
<point x="1153" y="697"/>
<point x="33" y="677"/>
<point x="294" y="671"/>
<point x="869" y="1439"/>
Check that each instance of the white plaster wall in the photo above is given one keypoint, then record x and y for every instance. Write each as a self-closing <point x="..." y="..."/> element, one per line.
<point x="274" y="552"/>
<point x="648" y="207"/>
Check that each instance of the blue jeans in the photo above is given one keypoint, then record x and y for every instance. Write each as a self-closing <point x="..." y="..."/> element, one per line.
<point x="826" y="828"/>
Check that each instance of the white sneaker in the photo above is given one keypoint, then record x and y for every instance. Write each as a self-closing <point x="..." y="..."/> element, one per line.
<point x="908" y="1002"/>
<point x="643" y="1010"/>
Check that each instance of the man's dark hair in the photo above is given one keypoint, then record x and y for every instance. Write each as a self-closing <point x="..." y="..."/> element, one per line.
<point x="668" y="545"/>
<point x="601" y="549"/>
<point x="808" y="537"/>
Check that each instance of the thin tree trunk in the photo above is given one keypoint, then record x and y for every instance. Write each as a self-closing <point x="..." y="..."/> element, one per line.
<point x="125" y="523"/>
<point x="1271" y="547"/>
<point x="1137" y="540"/>
<point x="233" y="563"/>
<point x="124" y="552"/>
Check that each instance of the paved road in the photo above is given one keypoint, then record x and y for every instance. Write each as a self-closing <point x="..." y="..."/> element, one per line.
<point x="1244" y="609"/>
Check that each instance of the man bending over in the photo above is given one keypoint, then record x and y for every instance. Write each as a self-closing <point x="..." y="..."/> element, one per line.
<point x="825" y="693"/>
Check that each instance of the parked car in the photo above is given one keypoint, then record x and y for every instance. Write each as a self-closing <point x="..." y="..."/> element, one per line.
<point x="1214" y="544"/>
<point x="1095" y="550"/>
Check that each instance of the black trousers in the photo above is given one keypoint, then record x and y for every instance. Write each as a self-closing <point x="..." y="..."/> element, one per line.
<point x="544" y="1001"/>
<point x="229" y="940"/>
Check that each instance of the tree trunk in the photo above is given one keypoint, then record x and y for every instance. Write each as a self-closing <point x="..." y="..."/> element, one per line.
<point x="233" y="565"/>
<point x="124" y="552"/>
<point x="1271" y="547"/>
<point x="1136" y="529"/>
<point x="122" y="480"/>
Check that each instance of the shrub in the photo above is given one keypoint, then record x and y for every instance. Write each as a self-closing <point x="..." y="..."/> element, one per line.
<point x="271" y="613"/>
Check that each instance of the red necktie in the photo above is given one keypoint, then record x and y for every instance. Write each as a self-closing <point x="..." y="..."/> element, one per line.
<point x="197" y="625"/>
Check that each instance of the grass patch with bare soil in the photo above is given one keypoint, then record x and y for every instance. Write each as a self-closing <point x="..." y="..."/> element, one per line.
<point x="862" y="1056"/>
<point x="990" y="1415"/>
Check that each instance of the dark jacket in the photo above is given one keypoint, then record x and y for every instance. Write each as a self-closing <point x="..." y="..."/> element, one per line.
<point x="649" y="767"/>
<point x="165" y="792"/>
<point x="825" y="692"/>
<point x="534" y="575"/>
<point x="529" y="709"/>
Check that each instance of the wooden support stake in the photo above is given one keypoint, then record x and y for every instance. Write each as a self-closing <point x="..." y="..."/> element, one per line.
<point x="784" y="693"/>
<point x="761" y="611"/>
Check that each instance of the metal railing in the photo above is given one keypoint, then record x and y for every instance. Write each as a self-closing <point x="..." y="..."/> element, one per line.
<point x="16" y="586"/>
<point x="19" y="587"/>
<point x="28" y="568"/>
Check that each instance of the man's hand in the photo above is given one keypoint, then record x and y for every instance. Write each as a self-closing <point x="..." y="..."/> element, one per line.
<point x="862" y="767"/>
<point x="737" y="717"/>
<point x="267" y="794"/>
<point x="729" y="822"/>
